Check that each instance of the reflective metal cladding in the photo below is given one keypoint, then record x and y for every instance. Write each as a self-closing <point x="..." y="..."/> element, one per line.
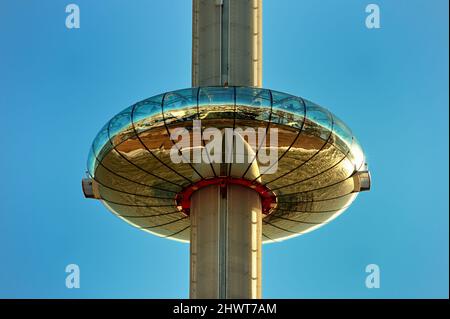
<point x="321" y="166"/>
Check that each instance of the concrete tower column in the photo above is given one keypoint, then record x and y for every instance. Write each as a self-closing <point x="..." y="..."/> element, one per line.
<point x="226" y="243"/>
<point x="226" y="220"/>
<point x="227" y="43"/>
<point x="226" y="232"/>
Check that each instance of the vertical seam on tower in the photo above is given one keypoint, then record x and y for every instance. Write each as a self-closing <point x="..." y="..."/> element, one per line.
<point x="224" y="41"/>
<point x="222" y="242"/>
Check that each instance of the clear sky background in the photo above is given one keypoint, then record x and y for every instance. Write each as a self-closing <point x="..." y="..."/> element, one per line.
<point x="58" y="87"/>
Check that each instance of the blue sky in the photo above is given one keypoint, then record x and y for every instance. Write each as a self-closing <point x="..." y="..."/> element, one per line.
<point x="59" y="86"/>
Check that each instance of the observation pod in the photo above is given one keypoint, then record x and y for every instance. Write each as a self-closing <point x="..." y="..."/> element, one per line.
<point x="320" y="166"/>
<point x="225" y="164"/>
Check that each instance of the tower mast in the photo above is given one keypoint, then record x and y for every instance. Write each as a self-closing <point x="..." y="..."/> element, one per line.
<point x="227" y="43"/>
<point x="226" y="220"/>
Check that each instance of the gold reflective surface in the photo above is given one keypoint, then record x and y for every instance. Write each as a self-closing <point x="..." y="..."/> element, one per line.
<point x="314" y="181"/>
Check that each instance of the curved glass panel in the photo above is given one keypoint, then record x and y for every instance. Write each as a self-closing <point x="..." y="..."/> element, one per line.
<point x="319" y="116"/>
<point x="100" y="141"/>
<point x="248" y="98"/>
<point x="344" y="138"/>
<point x="180" y="105"/>
<point x="254" y="97"/>
<point x="216" y="105"/>
<point x="292" y="113"/>
<point x="92" y="162"/>
<point x="120" y="127"/>
<point x="147" y="113"/>
<point x="342" y="130"/>
<point x="215" y="96"/>
<point x="358" y="155"/>
<point x="278" y="96"/>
